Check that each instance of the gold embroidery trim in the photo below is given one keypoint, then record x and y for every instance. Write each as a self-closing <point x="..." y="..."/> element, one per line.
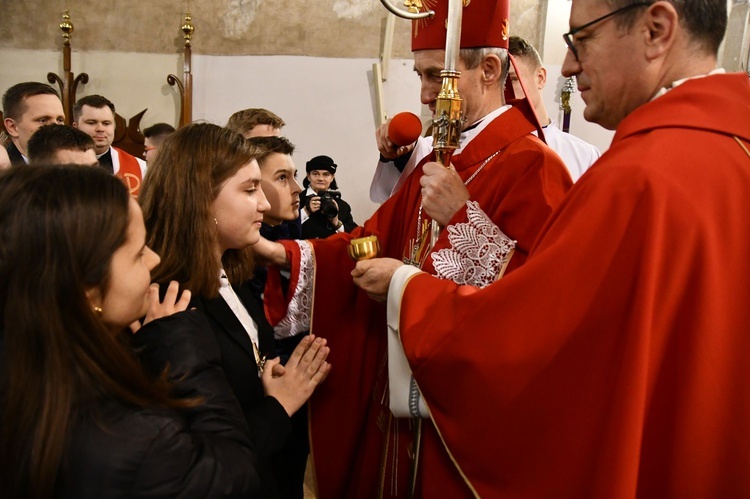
<point x="741" y="145"/>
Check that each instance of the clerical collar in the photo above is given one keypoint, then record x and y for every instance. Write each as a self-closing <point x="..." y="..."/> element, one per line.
<point x="476" y="128"/>
<point x="472" y="127"/>
<point x="106" y="161"/>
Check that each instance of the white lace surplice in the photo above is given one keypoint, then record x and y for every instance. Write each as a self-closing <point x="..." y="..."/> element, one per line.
<point x="478" y="255"/>
<point x="297" y="317"/>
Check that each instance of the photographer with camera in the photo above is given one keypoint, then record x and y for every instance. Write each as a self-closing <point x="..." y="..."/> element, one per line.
<point x="323" y="211"/>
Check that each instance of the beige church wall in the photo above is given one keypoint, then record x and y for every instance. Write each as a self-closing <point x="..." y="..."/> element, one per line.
<point x="554" y="50"/>
<point x="27" y="65"/>
<point x="132" y="81"/>
<point x="328" y="105"/>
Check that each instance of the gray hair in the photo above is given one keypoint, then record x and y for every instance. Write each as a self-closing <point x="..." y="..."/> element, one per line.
<point x="474" y="56"/>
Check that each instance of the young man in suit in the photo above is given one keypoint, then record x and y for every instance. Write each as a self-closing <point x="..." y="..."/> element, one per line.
<point x="26" y="107"/>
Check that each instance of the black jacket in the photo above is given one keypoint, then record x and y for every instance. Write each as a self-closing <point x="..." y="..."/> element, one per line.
<point x="116" y="450"/>
<point x="16" y="159"/>
<point x="318" y="226"/>
<point x="268" y="421"/>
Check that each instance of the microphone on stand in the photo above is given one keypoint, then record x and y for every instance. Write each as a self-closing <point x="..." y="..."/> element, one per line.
<point x="404" y="129"/>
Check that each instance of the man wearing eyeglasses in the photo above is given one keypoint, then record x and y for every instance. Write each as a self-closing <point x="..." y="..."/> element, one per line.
<point x="153" y="137"/>
<point x="614" y="363"/>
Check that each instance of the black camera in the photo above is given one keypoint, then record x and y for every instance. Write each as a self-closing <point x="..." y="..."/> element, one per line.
<point x="327" y="205"/>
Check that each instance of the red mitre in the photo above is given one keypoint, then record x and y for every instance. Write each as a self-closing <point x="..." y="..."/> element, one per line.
<point x="484" y="24"/>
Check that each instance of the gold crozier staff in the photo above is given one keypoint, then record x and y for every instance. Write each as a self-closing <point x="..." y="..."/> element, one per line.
<point x="446" y="130"/>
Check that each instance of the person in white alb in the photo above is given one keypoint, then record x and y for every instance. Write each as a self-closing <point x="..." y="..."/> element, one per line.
<point x="577" y="154"/>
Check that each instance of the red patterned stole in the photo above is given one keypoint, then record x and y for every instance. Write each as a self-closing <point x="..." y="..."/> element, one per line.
<point x="129" y="172"/>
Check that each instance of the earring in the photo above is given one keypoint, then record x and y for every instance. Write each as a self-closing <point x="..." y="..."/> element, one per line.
<point x="98" y="310"/>
<point x="216" y="222"/>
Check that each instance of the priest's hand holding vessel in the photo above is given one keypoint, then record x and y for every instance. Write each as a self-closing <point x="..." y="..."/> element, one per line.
<point x="363" y="248"/>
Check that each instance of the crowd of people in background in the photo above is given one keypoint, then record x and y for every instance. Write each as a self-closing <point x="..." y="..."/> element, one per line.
<point x="189" y="324"/>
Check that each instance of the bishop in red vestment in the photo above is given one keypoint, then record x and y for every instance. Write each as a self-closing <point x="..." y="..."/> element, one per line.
<point x="359" y="448"/>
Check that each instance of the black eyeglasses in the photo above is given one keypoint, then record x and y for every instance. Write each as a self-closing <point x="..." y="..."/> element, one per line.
<point x="568" y="37"/>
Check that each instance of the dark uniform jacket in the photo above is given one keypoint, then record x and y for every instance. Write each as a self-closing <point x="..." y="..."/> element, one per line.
<point x="117" y="451"/>
<point x="318" y="226"/>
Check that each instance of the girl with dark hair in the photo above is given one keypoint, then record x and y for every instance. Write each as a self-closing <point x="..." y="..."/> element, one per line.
<point x="80" y="417"/>
<point x="203" y="206"/>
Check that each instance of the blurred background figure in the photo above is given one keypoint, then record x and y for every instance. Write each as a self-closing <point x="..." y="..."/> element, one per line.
<point x="577" y="154"/>
<point x="26" y="107"/>
<point x="153" y="137"/>
<point x="255" y="122"/>
<point x="61" y="145"/>
<point x="324" y="213"/>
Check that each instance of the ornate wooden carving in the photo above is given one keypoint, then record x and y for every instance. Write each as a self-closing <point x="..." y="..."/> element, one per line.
<point x="185" y="87"/>
<point x="68" y="84"/>
<point x="128" y="137"/>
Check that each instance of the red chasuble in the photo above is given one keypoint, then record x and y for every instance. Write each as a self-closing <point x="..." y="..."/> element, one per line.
<point x="616" y="362"/>
<point x="351" y="426"/>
